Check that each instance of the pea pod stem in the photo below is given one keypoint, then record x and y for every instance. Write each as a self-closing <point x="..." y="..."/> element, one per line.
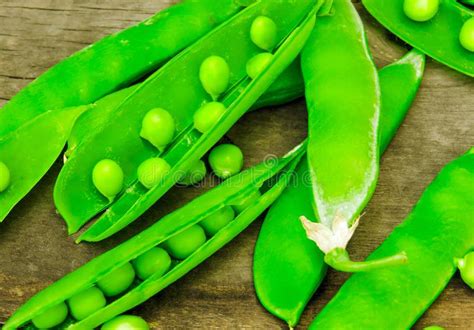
<point x="339" y="259"/>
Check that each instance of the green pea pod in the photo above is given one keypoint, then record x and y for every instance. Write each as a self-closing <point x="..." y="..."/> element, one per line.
<point x="269" y="179"/>
<point x="342" y="90"/>
<point x="41" y="140"/>
<point x="288" y="267"/>
<point x="443" y="29"/>
<point x="439" y="229"/>
<point x="115" y="61"/>
<point x="77" y="199"/>
<point x="288" y="87"/>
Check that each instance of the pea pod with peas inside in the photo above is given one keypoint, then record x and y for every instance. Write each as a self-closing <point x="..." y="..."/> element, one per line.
<point x="161" y="254"/>
<point x="182" y="95"/>
<point x="115" y="61"/>
<point x="442" y="29"/>
<point x="287" y="267"/>
<point x="439" y="230"/>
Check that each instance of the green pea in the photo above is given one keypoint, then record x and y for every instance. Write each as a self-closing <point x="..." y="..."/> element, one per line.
<point x="466" y="37"/>
<point x="263" y="33"/>
<point x="420" y="10"/>
<point x="466" y="268"/>
<point x="218" y="220"/>
<point x="117" y="281"/>
<point x="258" y="63"/>
<point x="182" y="245"/>
<point x="86" y="303"/>
<point x="208" y="115"/>
<point x="195" y="174"/>
<point x="158" y="127"/>
<point x="226" y="160"/>
<point x="152" y="171"/>
<point x="154" y="261"/>
<point x="51" y="317"/>
<point x="214" y="75"/>
<point x="4" y="177"/>
<point x="107" y="177"/>
<point x="126" y="322"/>
<point x="247" y="201"/>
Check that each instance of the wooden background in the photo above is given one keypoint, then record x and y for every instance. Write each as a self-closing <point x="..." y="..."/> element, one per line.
<point x="34" y="247"/>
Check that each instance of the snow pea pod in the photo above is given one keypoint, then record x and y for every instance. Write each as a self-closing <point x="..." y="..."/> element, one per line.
<point x="288" y="267"/>
<point x="269" y="179"/>
<point x="115" y="61"/>
<point x="438" y="37"/>
<point x="439" y="229"/>
<point x="40" y="141"/>
<point x="182" y="94"/>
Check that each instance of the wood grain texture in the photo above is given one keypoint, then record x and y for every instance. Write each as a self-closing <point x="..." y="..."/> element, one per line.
<point x="34" y="247"/>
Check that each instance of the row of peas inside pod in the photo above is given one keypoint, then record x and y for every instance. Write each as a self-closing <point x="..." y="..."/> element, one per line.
<point x="159" y="129"/>
<point x="155" y="262"/>
<point x="424" y="11"/>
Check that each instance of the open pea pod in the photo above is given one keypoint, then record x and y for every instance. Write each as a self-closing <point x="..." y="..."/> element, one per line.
<point x="438" y="230"/>
<point x="288" y="267"/>
<point x="439" y="37"/>
<point x="29" y="152"/>
<point x="177" y="88"/>
<point x="116" y="60"/>
<point x="288" y="87"/>
<point x="268" y="179"/>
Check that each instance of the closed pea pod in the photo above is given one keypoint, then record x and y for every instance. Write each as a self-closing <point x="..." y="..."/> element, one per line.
<point x="154" y="261"/>
<point x="214" y="75"/>
<point x="158" y="127"/>
<point x="117" y="281"/>
<point x="52" y="317"/>
<point x="439" y="228"/>
<point x="263" y="33"/>
<point x="4" y="177"/>
<point x="108" y="178"/>
<point x="126" y="322"/>
<point x="86" y="303"/>
<point x="288" y="268"/>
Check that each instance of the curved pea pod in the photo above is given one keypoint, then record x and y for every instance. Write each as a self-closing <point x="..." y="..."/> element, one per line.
<point x="181" y="94"/>
<point x="115" y="61"/>
<point x="439" y="229"/>
<point x="31" y="150"/>
<point x="438" y="37"/>
<point x="288" y="267"/>
<point x="270" y="180"/>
